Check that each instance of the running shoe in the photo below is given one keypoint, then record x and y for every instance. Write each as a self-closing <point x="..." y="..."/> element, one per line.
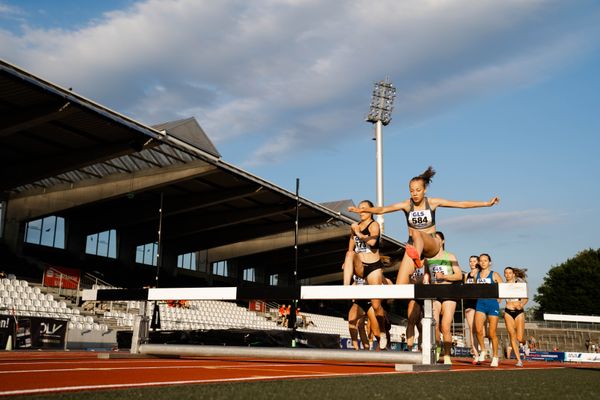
<point x="414" y="255"/>
<point x="447" y="360"/>
<point x="494" y="362"/>
<point x="519" y="364"/>
<point x="383" y="342"/>
<point x="482" y="356"/>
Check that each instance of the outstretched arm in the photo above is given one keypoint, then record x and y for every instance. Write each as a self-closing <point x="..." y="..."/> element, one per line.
<point x="381" y="210"/>
<point x="464" y="204"/>
<point x="369" y="239"/>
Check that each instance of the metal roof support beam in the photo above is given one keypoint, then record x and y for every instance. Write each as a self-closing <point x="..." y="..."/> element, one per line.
<point x="187" y="225"/>
<point x="33" y="117"/>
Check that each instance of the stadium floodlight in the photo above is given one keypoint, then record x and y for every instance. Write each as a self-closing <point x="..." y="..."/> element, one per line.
<point x="380" y="114"/>
<point x="382" y="103"/>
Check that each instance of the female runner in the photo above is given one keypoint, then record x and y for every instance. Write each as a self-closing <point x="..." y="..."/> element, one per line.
<point x="487" y="308"/>
<point x="469" y="306"/>
<point x="444" y="270"/>
<point x="362" y="258"/>
<point x="514" y="316"/>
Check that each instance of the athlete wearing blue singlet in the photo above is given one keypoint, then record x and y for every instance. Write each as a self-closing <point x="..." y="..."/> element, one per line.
<point x="487" y="308"/>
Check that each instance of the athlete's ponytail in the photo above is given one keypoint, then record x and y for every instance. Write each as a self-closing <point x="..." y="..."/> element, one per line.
<point x="425" y="176"/>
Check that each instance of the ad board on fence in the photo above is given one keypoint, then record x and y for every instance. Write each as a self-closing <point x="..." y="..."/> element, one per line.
<point x="546" y="356"/>
<point x="7" y="331"/>
<point x="582" y="357"/>
<point x="39" y="333"/>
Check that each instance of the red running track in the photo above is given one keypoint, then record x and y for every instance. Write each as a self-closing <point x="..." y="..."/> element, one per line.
<point x="39" y="372"/>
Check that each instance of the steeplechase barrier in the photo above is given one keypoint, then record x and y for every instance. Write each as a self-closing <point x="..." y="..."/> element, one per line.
<point x="415" y="361"/>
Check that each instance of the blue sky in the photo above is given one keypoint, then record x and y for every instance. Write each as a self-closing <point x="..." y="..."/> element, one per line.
<point x="501" y="97"/>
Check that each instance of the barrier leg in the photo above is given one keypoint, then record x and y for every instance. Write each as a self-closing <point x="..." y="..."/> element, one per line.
<point x="428" y="342"/>
<point x="140" y="330"/>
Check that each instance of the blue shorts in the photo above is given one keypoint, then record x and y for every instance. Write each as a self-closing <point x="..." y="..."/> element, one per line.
<point x="488" y="307"/>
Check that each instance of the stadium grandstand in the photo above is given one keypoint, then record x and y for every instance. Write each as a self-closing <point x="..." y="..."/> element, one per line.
<point x="92" y="198"/>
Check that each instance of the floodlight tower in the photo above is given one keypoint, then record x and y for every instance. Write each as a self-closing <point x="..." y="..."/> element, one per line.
<point x="380" y="114"/>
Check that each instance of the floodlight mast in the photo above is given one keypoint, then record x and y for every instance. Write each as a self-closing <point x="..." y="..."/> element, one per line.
<point x="380" y="114"/>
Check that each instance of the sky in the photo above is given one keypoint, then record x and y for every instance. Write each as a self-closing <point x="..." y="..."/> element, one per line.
<point x="500" y="97"/>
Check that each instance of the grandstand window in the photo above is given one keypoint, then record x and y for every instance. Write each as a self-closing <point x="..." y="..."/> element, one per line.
<point x="147" y="254"/>
<point x="220" y="268"/>
<point x="102" y="244"/>
<point x="187" y="261"/>
<point x="2" y="211"/>
<point x="250" y="274"/>
<point x="274" y="279"/>
<point x="49" y="231"/>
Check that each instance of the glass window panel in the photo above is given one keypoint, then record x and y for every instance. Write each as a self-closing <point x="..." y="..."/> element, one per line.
<point x="59" y="237"/>
<point x="139" y="255"/>
<point x="194" y="262"/>
<point x="48" y="230"/>
<point x="112" y="248"/>
<point x="103" y="238"/>
<point x="33" y="231"/>
<point x="91" y="244"/>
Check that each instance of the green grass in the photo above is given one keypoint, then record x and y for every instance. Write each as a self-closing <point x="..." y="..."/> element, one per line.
<point x="569" y="383"/>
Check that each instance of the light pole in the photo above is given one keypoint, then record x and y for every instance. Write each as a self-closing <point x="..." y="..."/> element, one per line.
<point x="380" y="114"/>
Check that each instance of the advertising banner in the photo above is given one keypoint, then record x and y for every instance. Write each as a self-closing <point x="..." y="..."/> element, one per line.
<point x="546" y="356"/>
<point x="257" y="305"/>
<point x="7" y="330"/>
<point x="63" y="277"/>
<point x="582" y="357"/>
<point x="40" y="333"/>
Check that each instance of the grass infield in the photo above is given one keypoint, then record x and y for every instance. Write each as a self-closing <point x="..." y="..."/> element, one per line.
<point x="567" y="383"/>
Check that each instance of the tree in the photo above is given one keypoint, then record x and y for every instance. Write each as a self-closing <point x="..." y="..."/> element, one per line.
<point x="572" y="287"/>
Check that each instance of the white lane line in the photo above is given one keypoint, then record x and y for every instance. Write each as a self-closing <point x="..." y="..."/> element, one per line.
<point x="131" y="368"/>
<point x="171" y="383"/>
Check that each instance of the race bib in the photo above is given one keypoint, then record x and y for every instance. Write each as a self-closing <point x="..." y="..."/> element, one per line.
<point x="360" y="246"/>
<point x="434" y="269"/>
<point x="420" y="218"/>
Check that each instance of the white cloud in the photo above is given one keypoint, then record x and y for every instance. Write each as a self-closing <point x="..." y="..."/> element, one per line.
<point x="273" y="68"/>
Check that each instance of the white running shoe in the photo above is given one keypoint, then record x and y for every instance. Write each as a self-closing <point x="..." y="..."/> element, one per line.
<point x="383" y="342"/>
<point x="494" y="362"/>
<point x="447" y="360"/>
<point x="519" y="364"/>
<point x="482" y="356"/>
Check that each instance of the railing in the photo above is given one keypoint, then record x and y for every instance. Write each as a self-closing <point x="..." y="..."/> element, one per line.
<point x="89" y="280"/>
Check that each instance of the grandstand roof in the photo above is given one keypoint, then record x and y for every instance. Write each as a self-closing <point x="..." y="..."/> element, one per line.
<point x="46" y="130"/>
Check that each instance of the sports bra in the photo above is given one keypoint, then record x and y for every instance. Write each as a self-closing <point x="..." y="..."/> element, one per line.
<point x="420" y="219"/>
<point x="362" y="247"/>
